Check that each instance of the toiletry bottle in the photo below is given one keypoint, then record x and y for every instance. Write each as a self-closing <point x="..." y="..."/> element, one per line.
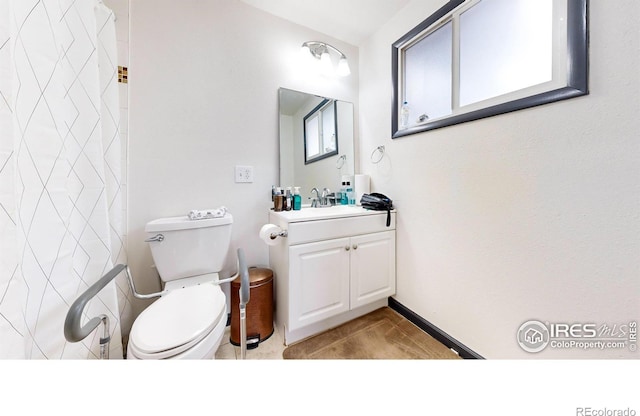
<point x="278" y="201"/>
<point x="284" y="199"/>
<point x="351" y="195"/>
<point x="344" y="200"/>
<point x="288" y="199"/>
<point x="297" y="199"/>
<point x="404" y="116"/>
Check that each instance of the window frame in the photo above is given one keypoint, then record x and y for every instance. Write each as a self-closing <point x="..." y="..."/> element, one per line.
<point x="318" y="112"/>
<point x="575" y="82"/>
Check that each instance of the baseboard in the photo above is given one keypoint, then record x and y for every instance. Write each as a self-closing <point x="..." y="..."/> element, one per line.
<point x="450" y="342"/>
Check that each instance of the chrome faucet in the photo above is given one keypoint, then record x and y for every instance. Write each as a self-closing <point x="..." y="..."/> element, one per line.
<point x="327" y="199"/>
<point x="314" y="201"/>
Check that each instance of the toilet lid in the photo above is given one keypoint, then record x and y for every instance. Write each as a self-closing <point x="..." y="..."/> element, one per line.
<point x="182" y="317"/>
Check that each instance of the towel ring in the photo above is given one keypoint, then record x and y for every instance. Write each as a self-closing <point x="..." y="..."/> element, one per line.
<point x="342" y="159"/>
<point x="377" y="149"/>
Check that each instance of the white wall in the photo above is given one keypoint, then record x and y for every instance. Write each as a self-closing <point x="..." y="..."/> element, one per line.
<point x="204" y="79"/>
<point x="528" y="215"/>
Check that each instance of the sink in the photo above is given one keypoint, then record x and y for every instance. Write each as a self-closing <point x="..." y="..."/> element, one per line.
<point x="308" y="213"/>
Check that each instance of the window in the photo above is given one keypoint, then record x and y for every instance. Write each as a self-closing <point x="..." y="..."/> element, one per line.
<point x="320" y="132"/>
<point x="478" y="58"/>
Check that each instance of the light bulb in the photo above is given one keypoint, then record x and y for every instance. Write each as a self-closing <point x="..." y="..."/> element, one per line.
<point x="305" y="52"/>
<point x="325" y="63"/>
<point x="343" y="67"/>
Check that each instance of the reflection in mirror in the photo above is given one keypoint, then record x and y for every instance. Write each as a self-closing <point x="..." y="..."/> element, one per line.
<point x="320" y="132"/>
<point x="327" y="170"/>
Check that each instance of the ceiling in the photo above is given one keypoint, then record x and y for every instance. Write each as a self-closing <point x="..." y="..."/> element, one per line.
<point x="352" y="21"/>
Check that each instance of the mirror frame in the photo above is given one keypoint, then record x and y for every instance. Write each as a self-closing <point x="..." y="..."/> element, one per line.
<point x="576" y="78"/>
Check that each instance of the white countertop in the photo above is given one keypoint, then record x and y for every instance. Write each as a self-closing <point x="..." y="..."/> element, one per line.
<point x="337" y="211"/>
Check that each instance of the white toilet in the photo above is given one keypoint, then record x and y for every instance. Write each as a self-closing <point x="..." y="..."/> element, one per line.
<point x="189" y="318"/>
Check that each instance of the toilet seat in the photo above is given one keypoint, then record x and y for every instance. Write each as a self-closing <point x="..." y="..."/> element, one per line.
<point x="177" y="321"/>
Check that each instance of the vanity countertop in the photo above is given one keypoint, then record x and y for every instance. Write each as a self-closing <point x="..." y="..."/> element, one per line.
<point x="311" y="214"/>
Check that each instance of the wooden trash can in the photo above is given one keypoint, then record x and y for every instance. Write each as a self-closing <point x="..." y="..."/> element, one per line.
<point x="259" y="310"/>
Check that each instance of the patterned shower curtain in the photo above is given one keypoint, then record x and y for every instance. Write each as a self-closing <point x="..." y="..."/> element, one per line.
<point x="60" y="173"/>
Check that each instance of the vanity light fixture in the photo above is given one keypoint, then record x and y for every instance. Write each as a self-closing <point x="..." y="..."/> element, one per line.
<point x="320" y="51"/>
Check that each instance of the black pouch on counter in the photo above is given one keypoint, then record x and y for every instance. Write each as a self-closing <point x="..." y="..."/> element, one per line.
<point x="378" y="202"/>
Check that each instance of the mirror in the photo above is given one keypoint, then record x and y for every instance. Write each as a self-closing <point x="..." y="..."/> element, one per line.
<point x="326" y="171"/>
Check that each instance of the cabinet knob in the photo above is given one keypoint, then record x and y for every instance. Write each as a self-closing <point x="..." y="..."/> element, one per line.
<point x="355" y="246"/>
<point x="347" y="248"/>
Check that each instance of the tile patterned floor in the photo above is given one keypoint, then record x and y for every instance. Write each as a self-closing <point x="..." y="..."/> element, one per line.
<point x="269" y="349"/>
<point x="400" y="341"/>
<point x="381" y="334"/>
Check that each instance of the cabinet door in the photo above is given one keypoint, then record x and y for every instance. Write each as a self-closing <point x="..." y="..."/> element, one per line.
<point x="373" y="267"/>
<point x="318" y="281"/>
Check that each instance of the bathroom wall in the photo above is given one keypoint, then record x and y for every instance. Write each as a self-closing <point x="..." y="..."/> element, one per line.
<point x="203" y="98"/>
<point x="527" y="215"/>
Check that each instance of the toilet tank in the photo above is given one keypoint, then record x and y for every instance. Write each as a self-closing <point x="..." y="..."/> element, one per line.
<point x="189" y="247"/>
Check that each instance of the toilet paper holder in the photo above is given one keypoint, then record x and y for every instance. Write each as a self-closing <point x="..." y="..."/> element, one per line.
<point x="282" y="233"/>
<point x="269" y="233"/>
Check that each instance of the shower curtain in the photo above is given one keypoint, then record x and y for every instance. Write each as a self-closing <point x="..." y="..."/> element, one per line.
<point x="60" y="175"/>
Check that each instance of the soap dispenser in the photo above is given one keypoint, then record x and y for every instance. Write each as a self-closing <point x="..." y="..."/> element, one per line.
<point x="351" y="195"/>
<point x="288" y="199"/>
<point x="297" y="199"/>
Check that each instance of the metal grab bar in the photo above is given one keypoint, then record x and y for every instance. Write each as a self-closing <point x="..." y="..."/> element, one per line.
<point x="73" y="329"/>
<point x="75" y="332"/>
<point x="135" y="292"/>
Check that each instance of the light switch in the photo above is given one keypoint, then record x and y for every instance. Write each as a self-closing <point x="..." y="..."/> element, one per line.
<point x="244" y="174"/>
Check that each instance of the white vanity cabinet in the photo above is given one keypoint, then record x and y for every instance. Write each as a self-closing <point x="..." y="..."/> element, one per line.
<point x="334" y="265"/>
<point x="319" y="281"/>
<point x="373" y="267"/>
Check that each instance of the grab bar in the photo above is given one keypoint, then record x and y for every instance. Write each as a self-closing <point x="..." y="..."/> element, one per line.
<point x="74" y="331"/>
<point x="135" y="292"/>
